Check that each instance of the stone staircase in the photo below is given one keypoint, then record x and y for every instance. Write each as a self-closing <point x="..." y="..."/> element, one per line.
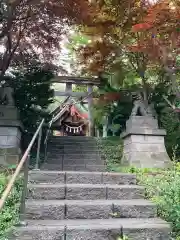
<point x="89" y="205"/>
<point x="73" y="154"/>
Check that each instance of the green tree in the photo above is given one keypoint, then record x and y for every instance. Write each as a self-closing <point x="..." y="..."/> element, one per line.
<point x="33" y="94"/>
<point x="117" y="109"/>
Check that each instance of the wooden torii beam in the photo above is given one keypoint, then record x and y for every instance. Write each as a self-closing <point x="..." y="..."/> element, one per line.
<point x="76" y="80"/>
<point x="69" y="80"/>
<point x="73" y="94"/>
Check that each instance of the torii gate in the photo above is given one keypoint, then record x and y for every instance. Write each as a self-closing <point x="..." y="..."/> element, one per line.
<point x="89" y="82"/>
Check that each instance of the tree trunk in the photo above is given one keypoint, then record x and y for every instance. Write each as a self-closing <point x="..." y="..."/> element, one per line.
<point x="104" y="131"/>
<point x="145" y="89"/>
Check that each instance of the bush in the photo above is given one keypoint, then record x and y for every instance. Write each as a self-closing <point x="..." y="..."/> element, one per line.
<point x="111" y="150"/>
<point x="163" y="188"/>
<point x="170" y="121"/>
<point x="10" y="212"/>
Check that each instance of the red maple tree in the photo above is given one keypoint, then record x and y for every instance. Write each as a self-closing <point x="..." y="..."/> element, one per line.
<point x="160" y="37"/>
<point x="34" y="27"/>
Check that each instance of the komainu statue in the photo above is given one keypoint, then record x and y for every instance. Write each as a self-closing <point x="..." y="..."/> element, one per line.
<point x="142" y="108"/>
<point x="6" y="95"/>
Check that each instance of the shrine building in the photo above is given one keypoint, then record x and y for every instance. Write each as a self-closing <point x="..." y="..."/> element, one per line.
<point x="70" y="119"/>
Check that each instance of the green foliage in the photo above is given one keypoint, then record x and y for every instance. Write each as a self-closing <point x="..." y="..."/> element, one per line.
<point x="166" y="196"/>
<point x="163" y="188"/>
<point x="32" y="94"/>
<point x="117" y="111"/>
<point x="117" y="114"/>
<point x="114" y="128"/>
<point x="177" y="166"/>
<point x="111" y="150"/>
<point x="76" y="40"/>
<point x="170" y="121"/>
<point x="80" y="88"/>
<point x="10" y="213"/>
<point x="123" y="238"/>
<point x="99" y="113"/>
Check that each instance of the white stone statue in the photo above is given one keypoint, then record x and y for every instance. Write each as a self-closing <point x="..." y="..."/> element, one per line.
<point x="6" y="95"/>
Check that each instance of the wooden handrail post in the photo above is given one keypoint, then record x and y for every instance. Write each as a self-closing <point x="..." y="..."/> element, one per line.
<point x="19" y="167"/>
<point x="38" y="150"/>
<point x="46" y="138"/>
<point x="24" y="193"/>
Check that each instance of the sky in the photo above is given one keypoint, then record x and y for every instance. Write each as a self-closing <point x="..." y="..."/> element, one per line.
<point x="1" y="49"/>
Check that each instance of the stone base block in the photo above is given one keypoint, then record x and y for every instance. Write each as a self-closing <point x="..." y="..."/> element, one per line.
<point x="10" y="140"/>
<point x="144" y="122"/>
<point x="8" y="112"/>
<point x="10" y="137"/>
<point x="8" y="160"/>
<point x="145" y="151"/>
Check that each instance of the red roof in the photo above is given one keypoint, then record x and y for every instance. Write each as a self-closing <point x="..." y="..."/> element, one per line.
<point x="74" y="111"/>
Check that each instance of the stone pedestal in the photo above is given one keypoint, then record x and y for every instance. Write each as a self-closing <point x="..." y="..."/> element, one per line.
<point x="144" y="144"/>
<point x="10" y="136"/>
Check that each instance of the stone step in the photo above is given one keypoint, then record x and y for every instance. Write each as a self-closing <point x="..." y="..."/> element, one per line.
<point x="82" y="168"/>
<point x="72" y="141"/>
<point x="73" y="151"/>
<point x="55" y="155"/>
<point x="84" y="191"/>
<point x="67" y="164"/>
<point x="72" y="146"/>
<point x="87" y="209"/>
<point x="73" y="137"/>
<point x="94" y="229"/>
<point x="51" y="142"/>
<point x="74" y="160"/>
<point x="81" y="177"/>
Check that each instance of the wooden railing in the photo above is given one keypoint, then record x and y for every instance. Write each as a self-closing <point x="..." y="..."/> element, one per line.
<point x="46" y="138"/>
<point x="23" y="162"/>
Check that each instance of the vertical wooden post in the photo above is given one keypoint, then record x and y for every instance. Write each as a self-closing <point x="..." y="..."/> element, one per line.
<point x="68" y="87"/>
<point x="98" y="133"/>
<point x="38" y="150"/>
<point x="105" y="126"/>
<point x="91" y="127"/>
<point x="22" y="215"/>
